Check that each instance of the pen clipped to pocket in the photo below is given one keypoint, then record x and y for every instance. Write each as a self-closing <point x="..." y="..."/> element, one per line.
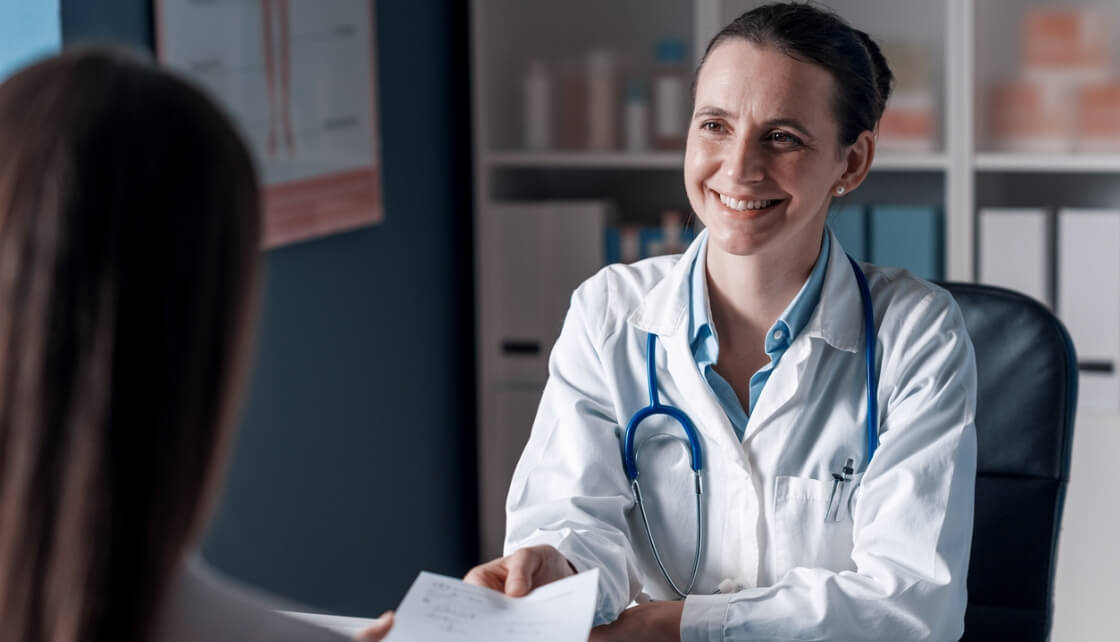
<point x="840" y="482"/>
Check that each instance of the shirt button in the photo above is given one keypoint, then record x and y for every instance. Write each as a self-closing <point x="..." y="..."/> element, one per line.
<point x="778" y="335"/>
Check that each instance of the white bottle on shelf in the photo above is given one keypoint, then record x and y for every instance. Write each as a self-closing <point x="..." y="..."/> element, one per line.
<point x="600" y="100"/>
<point x="670" y="96"/>
<point x="630" y="244"/>
<point x="672" y="227"/>
<point x="637" y="117"/>
<point x="538" y="106"/>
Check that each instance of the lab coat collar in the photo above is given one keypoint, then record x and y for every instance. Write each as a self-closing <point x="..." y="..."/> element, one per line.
<point x="664" y="310"/>
<point x="838" y="318"/>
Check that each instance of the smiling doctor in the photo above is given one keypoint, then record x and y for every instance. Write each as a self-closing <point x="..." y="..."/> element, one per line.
<point x="802" y="462"/>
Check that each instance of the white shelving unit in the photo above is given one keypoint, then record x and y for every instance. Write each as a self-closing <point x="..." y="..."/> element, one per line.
<point x="583" y="160"/>
<point x="972" y="41"/>
<point x="509" y="160"/>
<point x="1048" y="163"/>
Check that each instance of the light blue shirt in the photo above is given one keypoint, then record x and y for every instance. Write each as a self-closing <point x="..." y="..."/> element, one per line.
<point x="705" y="341"/>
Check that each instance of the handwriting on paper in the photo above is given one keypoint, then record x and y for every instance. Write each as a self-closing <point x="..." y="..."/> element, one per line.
<point x="438" y="609"/>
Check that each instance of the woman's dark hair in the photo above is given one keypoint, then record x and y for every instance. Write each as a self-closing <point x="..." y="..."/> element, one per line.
<point x="818" y="36"/>
<point x="129" y="228"/>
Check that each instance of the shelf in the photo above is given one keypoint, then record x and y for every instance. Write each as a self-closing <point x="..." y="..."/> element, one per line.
<point x="899" y="162"/>
<point x="667" y="160"/>
<point x="1048" y="163"/>
<point x="584" y="160"/>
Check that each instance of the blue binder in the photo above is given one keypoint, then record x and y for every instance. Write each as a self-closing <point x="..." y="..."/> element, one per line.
<point x="849" y="223"/>
<point x="908" y="236"/>
<point x="612" y="245"/>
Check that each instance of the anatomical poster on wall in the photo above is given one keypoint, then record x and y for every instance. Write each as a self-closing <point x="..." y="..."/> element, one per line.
<point x="298" y="78"/>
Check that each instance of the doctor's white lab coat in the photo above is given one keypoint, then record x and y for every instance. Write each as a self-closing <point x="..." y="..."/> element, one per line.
<point x="892" y="567"/>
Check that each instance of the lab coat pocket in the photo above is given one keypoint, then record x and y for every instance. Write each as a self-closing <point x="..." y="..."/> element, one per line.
<point x="802" y="535"/>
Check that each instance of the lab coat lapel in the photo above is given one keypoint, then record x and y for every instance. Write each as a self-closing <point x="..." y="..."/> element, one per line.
<point x="837" y="319"/>
<point x="781" y="386"/>
<point x="698" y="399"/>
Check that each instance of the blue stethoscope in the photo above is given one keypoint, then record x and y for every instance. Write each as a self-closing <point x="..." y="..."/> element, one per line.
<point x="655" y="407"/>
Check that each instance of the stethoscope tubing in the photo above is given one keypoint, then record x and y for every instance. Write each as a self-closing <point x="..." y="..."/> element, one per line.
<point x="869" y="335"/>
<point x="655" y="407"/>
<point x="630" y="459"/>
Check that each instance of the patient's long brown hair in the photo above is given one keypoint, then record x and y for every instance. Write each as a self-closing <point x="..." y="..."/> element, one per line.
<point x="129" y="226"/>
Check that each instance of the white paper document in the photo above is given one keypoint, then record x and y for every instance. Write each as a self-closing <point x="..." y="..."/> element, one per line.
<point x="348" y="626"/>
<point x="444" y="609"/>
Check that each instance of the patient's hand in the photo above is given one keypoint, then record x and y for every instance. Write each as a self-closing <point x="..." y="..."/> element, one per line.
<point x="521" y="571"/>
<point x="379" y="629"/>
<point x="650" y="622"/>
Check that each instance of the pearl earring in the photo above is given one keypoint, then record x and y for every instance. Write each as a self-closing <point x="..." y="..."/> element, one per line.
<point x="839" y="190"/>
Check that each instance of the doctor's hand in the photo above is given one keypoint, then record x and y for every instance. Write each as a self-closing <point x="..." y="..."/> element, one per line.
<point x="378" y="630"/>
<point x="650" y="622"/>
<point x="521" y="571"/>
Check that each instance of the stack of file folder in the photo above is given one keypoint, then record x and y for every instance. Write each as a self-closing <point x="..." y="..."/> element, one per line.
<point x="906" y="236"/>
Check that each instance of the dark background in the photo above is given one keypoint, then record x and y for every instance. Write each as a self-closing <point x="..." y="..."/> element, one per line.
<point x="355" y="461"/>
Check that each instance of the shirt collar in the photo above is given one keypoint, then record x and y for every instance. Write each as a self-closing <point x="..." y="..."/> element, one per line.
<point x="791" y="322"/>
<point x="700" y="308"/>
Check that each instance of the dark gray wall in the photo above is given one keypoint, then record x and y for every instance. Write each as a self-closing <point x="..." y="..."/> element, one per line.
<point x="354" y="465"/>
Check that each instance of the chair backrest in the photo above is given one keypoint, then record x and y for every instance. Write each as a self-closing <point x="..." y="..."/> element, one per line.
<point x="1026" y="398"/>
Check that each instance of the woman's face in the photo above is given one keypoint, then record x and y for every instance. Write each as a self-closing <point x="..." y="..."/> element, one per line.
<point x="763" y="156"/>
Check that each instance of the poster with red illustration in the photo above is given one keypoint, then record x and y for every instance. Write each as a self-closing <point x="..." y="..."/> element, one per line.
<point x="298" y="78"/>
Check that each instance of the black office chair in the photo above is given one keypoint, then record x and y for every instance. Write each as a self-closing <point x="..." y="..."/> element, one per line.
<point x="1026" y="397"/>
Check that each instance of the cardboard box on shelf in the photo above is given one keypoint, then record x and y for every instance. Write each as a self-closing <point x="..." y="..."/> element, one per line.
<point x="909" y="123"/>
<point x="1098" y="118"/>
<point x="1030" y="116"/>
<point x="1067" y="45"/>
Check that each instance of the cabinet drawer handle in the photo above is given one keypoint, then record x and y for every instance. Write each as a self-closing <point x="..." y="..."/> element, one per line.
<point x="520" y="348"/>
<point x="1100" y="367"/>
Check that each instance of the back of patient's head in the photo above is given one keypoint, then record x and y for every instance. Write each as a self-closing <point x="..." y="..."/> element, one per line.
<point x="128" y="234"/>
